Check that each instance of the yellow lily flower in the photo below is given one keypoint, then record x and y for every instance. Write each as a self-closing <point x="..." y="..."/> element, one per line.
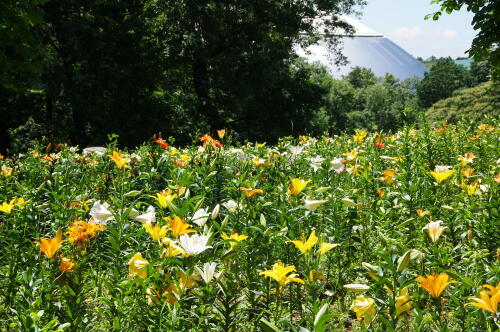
<point x="297" y="186"/>
<point x="468" y="172"/>
<point x="325" y="247"/>
<point x="492" y="290"/>
<point x="422" y="213"/>
<point x="351" y="155"/>
<point x="435" y="229"/>
<point x="259" y="162"/>
<point x="164" y="196"/>
<point x="173" y="249"/>
<point x="442" y="174"/>
<point x="303" y="138"/>
<point x="316" y="275"/>
<point x="403" y="302"/>
<point x="467" y="158"/>
<point x="6" y="171"/>
<point x="157" y="232"/>
<point x="364" y="307"/>
<point x="486" y="127"/>
<point x="235" y="237"/>
<point x="280" y="274"/>
<point x="360" y="135"/>
<point x="179" y="227"/>
<point x="486" y="302"/>
<point x="7" y="207"/>
<point x="138" y="266"/>
<point x="175" y="290"/>
<point x="19" y="202"/>
<point x="471" y="190"/>
<point x="221" y="133"/>
<point x="120" y="160"/>
<point x="303" y="245"/>
<point x="354" y="170"/>
<point x="435" y="284"/>
<point x="50" y="246"/>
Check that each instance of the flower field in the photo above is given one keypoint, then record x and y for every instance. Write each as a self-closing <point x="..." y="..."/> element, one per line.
<point x="372" y="231"/>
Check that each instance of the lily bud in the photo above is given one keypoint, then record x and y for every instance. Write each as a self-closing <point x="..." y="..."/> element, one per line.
<point x="224" y="222"/>
<point x="404" y="261"/>
<point x="215" y="212"/>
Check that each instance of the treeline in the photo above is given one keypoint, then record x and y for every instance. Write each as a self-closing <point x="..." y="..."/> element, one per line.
<point x="81" y="69"/>
<point x="76" y="71"/>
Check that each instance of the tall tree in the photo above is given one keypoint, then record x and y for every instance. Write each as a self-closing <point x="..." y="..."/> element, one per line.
<point x="238" y="55"/>
<point x="443" y="78"/>
<point x="486" y="44"/>
<point x="20" y="50"/>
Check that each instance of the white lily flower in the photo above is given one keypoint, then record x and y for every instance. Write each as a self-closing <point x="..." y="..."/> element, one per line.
<point x="100" y="213"/>
<point x="312" y="205"/>
<point x="295" y="150"/>
<point x="208" y="272"/>
<point x="200" y="217"/>
<point x="441" y="168"/>
<point x="97" y="150"/>
<point x="194" y="244"/>
<point x="337" y="165"/>
<point x="147" y="218"/>
<point x="316" y="162"/>
<point x="232" y="206"/>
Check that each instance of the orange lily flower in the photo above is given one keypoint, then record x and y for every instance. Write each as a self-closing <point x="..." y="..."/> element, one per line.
<point x="50" y="246"/>
<point x="250" y="191"/>
<point x="435" y="284"/>
<point x="179" y="227"/>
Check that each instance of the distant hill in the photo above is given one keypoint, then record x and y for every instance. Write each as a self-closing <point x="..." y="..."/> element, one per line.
<point x="473" y="103"/>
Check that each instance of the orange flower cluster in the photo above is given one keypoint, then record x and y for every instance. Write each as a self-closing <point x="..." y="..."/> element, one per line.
<point x="388" y="175"/>
<point x="208" y="140"/>
<point x="378" y="142"/>
<point x="80" y="231"/>
<point x="49" y="247"/>
<point x="160" y="141"/>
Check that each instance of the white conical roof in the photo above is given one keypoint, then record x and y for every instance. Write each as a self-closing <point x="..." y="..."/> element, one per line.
<point x="364" y="48"/>
<point x="360" y="30"/>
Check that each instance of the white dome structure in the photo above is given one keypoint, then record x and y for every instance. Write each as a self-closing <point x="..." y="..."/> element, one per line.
<point x="364" y="48"/>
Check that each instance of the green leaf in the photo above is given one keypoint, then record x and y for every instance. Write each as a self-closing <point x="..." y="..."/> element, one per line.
<point x="268" y="326"/>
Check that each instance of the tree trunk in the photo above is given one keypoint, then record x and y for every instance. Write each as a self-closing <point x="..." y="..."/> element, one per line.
<point x="201" y="86"/>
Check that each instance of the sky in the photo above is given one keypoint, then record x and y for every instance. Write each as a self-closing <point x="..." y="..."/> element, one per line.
<point x="403" y="22"/>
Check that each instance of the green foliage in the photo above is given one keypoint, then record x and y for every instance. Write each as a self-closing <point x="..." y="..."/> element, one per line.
<point x="370" y="198"/>
<point x="20" y="49"/>
<point x="480" y="71"/>
<point x="477" y="103"/>
<point x="485" y="45"/>
<point x="371" y="102"/>
<point x="361" y="77"/>
<point x="180" y="67"/>
<point x="442" y="79"/>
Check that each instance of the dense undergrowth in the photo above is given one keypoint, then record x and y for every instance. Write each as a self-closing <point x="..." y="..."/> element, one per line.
<point x="364" y="232"/>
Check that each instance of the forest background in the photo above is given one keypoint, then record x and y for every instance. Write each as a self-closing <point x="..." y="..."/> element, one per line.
<point x="78" y="71"/>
